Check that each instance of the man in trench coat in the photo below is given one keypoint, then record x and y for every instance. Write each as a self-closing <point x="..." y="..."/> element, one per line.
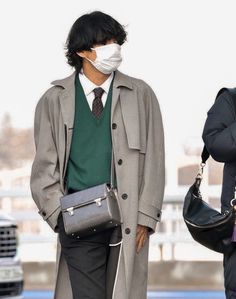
<point x="138" y="141"/>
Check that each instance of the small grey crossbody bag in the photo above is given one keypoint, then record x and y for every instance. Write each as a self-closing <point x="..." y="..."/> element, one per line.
<point x="91" y="210"/>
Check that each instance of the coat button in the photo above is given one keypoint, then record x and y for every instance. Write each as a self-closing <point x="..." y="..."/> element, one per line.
<point x="114" y="126"/>
<point x="44" y="213"/>
<point x="120" y="161"/>
<point x="127" y="230"/>
<point x="124" y="195"/>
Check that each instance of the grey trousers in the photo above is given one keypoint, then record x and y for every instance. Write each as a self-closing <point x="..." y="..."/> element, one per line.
<point x="87" y="259"/>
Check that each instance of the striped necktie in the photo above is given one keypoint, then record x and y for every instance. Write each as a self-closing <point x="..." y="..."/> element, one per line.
<point x="97" y="102"/>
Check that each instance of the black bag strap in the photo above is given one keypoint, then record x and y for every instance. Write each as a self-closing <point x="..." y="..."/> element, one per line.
<point x="232" y="91"/>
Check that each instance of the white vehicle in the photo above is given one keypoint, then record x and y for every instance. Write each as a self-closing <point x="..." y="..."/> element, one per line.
<point x="11" y="272"/>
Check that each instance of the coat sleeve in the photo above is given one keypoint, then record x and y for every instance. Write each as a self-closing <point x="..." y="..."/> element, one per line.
<point x="44" y="179"/>
<point x="219" y="133"/>
<point x="152" y="191"/>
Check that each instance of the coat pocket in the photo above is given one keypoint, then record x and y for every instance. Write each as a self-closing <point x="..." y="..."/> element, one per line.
<point x="51" y="216"/>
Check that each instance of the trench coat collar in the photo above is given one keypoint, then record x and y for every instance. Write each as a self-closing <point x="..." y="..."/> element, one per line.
<point x="67" y="96"/>
<point x="120" y="79"/>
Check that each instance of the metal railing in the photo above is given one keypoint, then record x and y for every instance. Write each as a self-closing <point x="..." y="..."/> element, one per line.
<point x="171" y="231"/>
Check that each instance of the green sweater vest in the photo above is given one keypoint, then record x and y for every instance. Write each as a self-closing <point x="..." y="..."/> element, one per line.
<point x="90" y="154"/>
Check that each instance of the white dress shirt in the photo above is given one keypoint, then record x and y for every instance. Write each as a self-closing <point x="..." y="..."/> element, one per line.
<point x="88" y="87"/>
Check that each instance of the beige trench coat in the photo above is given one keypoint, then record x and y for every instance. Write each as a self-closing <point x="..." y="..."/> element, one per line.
<point x="138" y="140"/>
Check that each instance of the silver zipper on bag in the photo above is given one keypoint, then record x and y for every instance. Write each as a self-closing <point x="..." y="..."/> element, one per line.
<point x="209" y="225"/>
<point x="97" y="201"/>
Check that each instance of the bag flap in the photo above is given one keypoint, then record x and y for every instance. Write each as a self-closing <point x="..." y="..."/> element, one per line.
<point x="83" y="196"/>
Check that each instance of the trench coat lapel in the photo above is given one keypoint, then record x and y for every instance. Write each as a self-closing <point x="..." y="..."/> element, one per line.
<point x="67" y="97"/>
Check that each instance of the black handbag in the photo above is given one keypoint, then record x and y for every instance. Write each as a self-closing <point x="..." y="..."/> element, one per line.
<point x="91" y="210"/>
<point x="207" y="226"/>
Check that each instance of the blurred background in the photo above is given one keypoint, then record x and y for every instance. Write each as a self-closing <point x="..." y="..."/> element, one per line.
<point x="186" y="51"/>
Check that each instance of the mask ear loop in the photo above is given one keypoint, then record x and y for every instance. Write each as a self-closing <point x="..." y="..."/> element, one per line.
<point x="90" y="60"/>
<point x="119" y="46"/>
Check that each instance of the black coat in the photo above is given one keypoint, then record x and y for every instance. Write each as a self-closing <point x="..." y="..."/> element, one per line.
<point x="219" y="136"/>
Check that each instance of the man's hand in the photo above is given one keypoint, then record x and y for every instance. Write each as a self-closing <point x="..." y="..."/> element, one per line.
<point x="141" y="236"/>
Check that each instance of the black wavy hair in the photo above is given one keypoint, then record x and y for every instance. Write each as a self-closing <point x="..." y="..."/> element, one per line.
<point x="90" y="29"/>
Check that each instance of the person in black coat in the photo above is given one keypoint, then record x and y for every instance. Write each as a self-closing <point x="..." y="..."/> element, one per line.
<point x="219" y="136"/>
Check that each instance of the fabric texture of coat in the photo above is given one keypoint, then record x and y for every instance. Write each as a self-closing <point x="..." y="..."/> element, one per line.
<point x="138" y="142"/>
<point x="219" y="135"/>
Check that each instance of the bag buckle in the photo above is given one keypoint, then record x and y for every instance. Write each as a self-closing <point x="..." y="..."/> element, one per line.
<point x="200" y="171"/>
<point x="98" y="201"/>
<point x="233" y="202"/>
<point x="70" y="210"/>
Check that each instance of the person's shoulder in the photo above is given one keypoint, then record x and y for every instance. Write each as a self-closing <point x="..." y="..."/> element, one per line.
<point x="58" y="85"/>
<point x="49" y="95"/>
<point x="144" y="91"/>
<point x="141" y="86"/>
<point x="139" y="83"/>
<point x="52" y="92"/>
<point x="225" y="94"/>
<point x="223" y="100"/>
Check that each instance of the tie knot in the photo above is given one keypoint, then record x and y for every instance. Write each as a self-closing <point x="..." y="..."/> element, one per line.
<point x="98" y="92"/>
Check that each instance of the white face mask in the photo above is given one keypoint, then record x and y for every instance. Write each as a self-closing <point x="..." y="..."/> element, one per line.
<point x="108" y="58"/>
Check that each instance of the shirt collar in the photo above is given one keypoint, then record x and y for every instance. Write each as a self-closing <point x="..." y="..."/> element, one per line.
<point x="88" y="85"/>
